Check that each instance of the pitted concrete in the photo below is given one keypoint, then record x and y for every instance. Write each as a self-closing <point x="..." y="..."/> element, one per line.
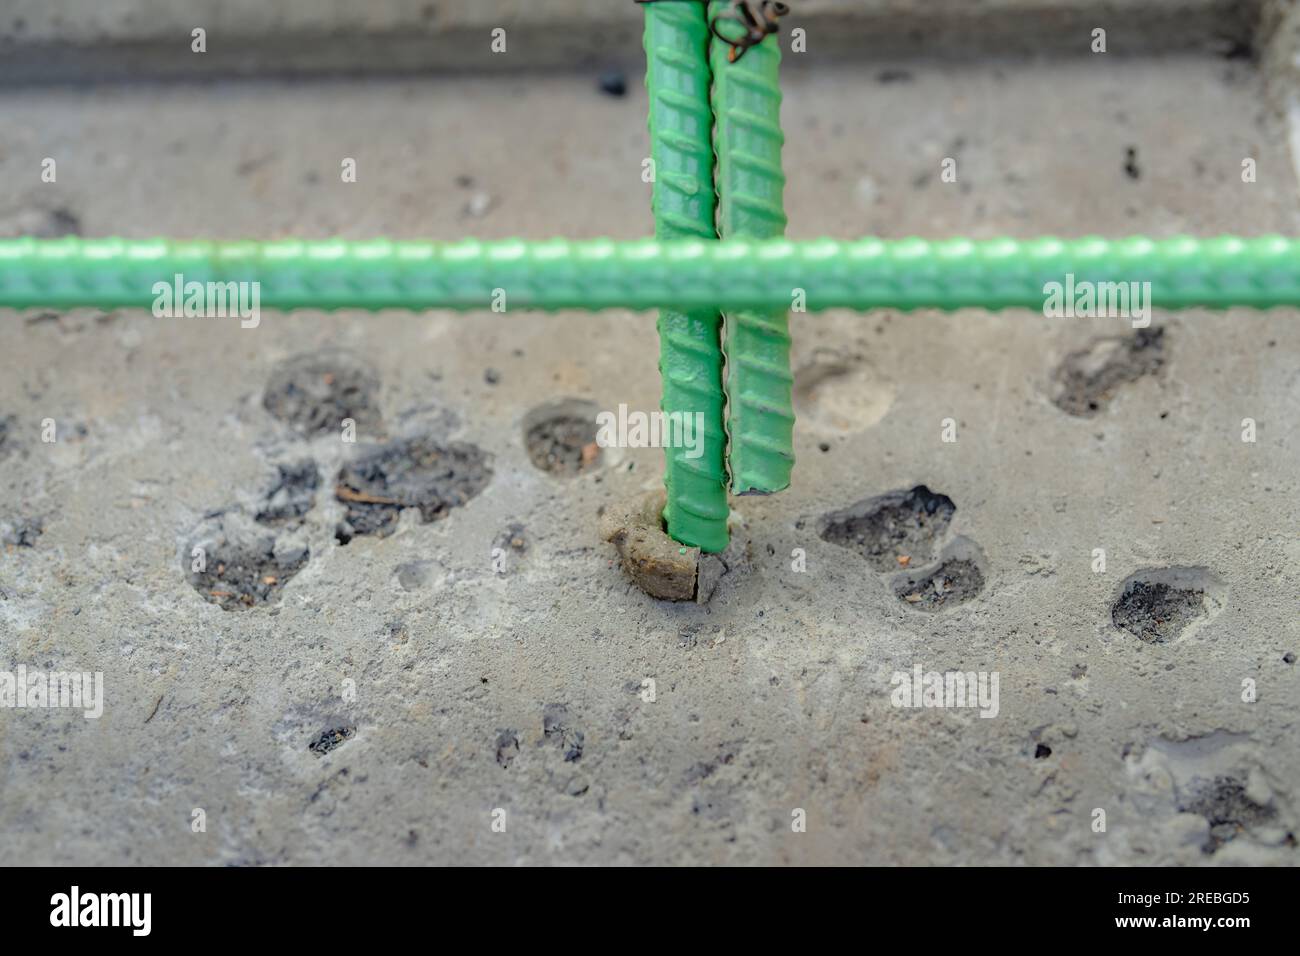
<point x="397" y="690"/>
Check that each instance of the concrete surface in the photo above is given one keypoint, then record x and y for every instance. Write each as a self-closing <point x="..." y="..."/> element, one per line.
<point x="396" y="690"/>
<point x="72" y="40"/>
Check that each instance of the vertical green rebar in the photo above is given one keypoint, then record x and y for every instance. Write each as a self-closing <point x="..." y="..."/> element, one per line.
<point x="747" y="111"/>
<point x="690" y="351"/>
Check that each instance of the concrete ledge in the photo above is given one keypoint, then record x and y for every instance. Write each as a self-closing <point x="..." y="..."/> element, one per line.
<point x="1279" y="45"/>
<point x="84" y="40"/>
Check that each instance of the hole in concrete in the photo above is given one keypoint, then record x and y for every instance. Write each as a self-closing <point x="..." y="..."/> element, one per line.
<point x="835" y="393"/>
<point x="613" y="83"/>
<point x="955" y="581"/>
<point x="1227" y="809"/>
<point x="1156" y="612"/>
<point x="507" y="747"/>
<point x="21" y="532"/>
<point x="242" y="571"/>
<point x="956" y="577"/>
<point x="1157" y="605"/>
<point x="557" y="729"/>
<point x="411" y="473"/>
<point x="1131" y="168"/>
<point x="894" y="530"/>
<point x="292" y="495"/>
<point x="560" y="437"/>
<point x="316" y="392"/>
<point x="1042" y="752"/>
<point x="331" y="739"/>
<point x="1085" y="381"/>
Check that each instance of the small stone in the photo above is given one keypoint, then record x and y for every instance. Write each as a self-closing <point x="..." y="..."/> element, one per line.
<point x="657" y="563"/>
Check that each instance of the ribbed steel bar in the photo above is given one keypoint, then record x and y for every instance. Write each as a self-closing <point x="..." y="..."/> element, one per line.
<point x="751" y="184"/>
<point x="515" y="275"/>
<point x="690" y="349"/>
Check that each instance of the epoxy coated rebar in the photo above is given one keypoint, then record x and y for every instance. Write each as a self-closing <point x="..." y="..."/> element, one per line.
<point x="747" y="109"/>
<point x="690" y="350"/>
<point x="646" y="274"/>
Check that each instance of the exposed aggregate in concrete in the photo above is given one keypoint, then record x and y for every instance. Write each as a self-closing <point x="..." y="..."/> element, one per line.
<point x="319" y="392"/>
<point x="378" y="703"/>
<point x="420" y="473"/>
<point x="893" y="530"/>
<point x="1086" y="380"/>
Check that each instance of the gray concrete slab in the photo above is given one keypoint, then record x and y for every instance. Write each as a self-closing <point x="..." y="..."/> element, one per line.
<point x="394" y="691"/>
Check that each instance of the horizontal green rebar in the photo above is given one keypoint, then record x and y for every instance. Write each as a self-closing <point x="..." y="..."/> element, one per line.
<point x="646" y="273"/>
